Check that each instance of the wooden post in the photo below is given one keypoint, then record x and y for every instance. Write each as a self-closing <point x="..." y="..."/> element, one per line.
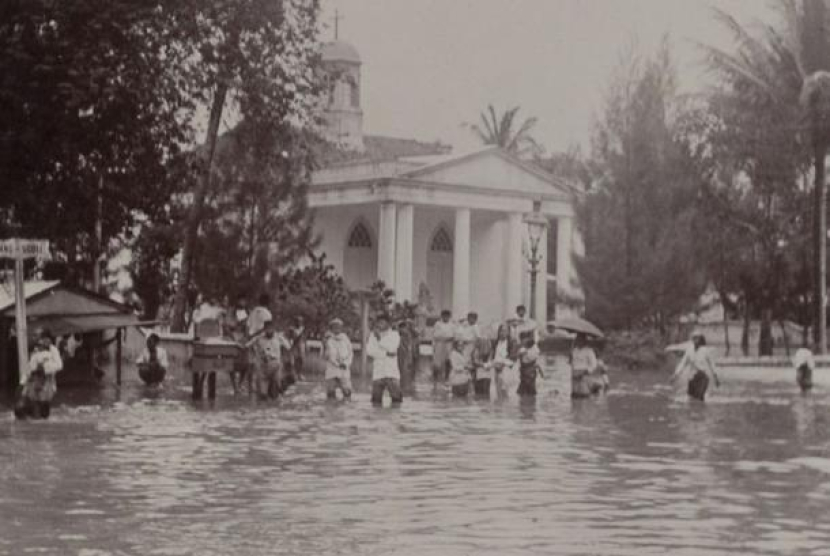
<point x="20" y="315"/>
<point x="5" y="379"/>
<point x="211" y="385"/>
<point x="118" y="357"/>
<point x="364" y="333"/>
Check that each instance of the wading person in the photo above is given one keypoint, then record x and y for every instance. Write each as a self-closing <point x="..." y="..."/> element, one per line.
<point x="460" y="368"/>
<point x="482" y="370"/>
<point x="382" y="347"/>
<point x="443" y="334"/>
<point x="467" y="333"/>
<point x="584" y="367"/>
<point x="37" y="382"/>
<point x="268" y="365"/>
<point x="339" y="355"/>
<point x="804" y="363"/>
<point x="297" y="339"/>
<point x="528" y="367"/>
<point x="236" y="325"/>
<point x="523" y="327"/>
<point x="698" y="362"/>
<point x="501" y="360"/>
<point x="152" y="363"/>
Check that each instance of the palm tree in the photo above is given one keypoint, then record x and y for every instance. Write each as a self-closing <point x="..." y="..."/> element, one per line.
<point x="791" y="66"/>
<point x="503" y="131"/>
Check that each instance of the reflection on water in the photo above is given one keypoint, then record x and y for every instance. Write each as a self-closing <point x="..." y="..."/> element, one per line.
<point x="640" y="471"/>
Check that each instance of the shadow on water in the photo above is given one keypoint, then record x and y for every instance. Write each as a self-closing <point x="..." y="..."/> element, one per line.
<point x="639" y="471"/>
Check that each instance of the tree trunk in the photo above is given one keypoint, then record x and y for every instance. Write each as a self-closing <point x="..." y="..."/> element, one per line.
<point x="820" y="239"/>
<point x="765" y="343"/>
<point x="726" y="329"/>
<point x="745" y="335"/>
<point x="785" y="336"/>
<point x="194" y="218"/>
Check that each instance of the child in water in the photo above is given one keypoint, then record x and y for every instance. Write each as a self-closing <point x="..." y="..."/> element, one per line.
<point x="459" y="370"/>
<point x="804" y="363"/>
<point x="528" y="367"/>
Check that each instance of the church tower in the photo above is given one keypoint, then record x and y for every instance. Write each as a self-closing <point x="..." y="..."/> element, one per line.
<point x="343" y="114"/>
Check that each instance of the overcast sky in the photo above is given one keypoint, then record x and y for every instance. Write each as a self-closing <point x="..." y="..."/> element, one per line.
<point x="429" y="65"/>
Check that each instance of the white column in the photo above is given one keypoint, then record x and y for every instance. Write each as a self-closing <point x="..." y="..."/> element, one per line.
<point x="386" y="244"/>
<point x="564" y="256"/>
<point x="403" y="261"/>
<point x="542" y="280"/>
<point x="461" y="264"/>
<point x="514" y="263"/>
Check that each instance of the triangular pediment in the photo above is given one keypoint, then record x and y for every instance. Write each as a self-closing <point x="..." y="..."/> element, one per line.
<point x="493" y="169"/>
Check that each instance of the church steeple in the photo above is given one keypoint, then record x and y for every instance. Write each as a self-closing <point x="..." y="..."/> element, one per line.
<point x="344" y="116"/>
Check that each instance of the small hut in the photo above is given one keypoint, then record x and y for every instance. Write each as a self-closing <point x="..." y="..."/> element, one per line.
<point x="64" y="310"/>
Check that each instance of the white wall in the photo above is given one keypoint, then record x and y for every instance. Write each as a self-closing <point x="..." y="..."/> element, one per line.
<point x="334" y="223"/>
<point x="487" y="267"/>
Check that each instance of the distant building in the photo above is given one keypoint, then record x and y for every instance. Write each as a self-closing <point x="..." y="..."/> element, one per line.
<point x="424" y="220"/>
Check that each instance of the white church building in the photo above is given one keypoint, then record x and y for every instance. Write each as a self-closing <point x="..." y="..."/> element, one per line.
<point x="447" y="228"/>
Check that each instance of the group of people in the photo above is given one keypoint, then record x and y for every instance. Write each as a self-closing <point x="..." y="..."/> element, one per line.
<point x="465" y="358"/>
<point x="272" y="358"/>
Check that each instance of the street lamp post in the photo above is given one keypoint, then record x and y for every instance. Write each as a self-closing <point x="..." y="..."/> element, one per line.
<point x="536" y="225"/>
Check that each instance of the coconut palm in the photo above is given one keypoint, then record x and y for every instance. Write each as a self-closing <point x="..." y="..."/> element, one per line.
<point x="505" y="131"/>
<point x="789" y="65"/>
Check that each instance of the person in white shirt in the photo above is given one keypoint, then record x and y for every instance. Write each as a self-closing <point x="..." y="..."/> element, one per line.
<point x="339" y="354"/>
<point x="382" y="347"/>
<point x="443" y="334"/>
<point x="268" y="361"/>
<point x="38" y="385"/>
<point x="152" y="363"/>
<point x="528" y="367"/>
<point x="523" y="327"/>
<point x="259" y="316"/>
<point x="699" y="362"/>
<point x="584" y="364"/>
<point x="804" y="363"/>
<point x="467" y="333"/>
<point x="460" y="371"/>
<point x="501" y="359"/>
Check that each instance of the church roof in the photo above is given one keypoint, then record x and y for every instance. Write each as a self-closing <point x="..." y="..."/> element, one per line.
<point x="380" y="147"/>
<point x="340" y="51"/>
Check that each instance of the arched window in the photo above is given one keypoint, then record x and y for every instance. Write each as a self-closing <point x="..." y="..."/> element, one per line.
<point x="441" y="241"/>
<point x="360" y="237"/>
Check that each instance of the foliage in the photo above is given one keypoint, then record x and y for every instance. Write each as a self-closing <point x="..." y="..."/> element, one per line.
<point x="318" y="294"/>
<point x="382" y="302"/>
<point x="505" y="131"/>
<point x="638" y="220"/>
<point x="256" y="219"/>
<point x="258" y="56"/>
<point x="757" y="158"/>
<point x="90" y="119"/>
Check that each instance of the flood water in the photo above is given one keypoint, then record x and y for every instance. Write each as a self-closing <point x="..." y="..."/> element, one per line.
<point x="640" y="471"/>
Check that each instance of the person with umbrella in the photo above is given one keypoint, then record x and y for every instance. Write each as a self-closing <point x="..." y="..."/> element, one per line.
<point x="699" y="361"/>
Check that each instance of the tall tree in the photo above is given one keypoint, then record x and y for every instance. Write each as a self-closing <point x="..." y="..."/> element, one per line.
<point x="802" y="41"/>
<point x="505" y="131"/>
<point x="90" y="119"/>
<point x="639" y="216"/>
<point x="259" y="55"/>
<point x="257" y="219"/>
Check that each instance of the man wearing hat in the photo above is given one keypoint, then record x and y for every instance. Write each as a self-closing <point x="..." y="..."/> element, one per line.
<point x="339" y="355"/>
<point x="268" y="365"/>
<point x="152" y="363"/>
<point x="383" y="349"/>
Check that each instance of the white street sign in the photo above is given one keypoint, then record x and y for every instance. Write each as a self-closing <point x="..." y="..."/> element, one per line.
<point x="24" y="248"/>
